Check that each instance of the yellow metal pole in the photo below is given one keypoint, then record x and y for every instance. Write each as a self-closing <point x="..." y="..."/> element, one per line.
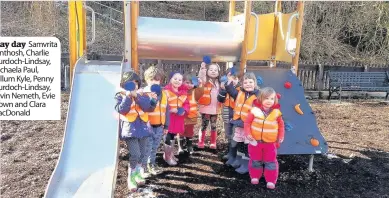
<point x="134" y="35"/>
<point x="299" y="27"/>
<point x="81" y="28"/>
<point x="243" y="57"/>
<point x="275" y="33"/>
<point x="72" y="38"/>
<point x="231" y="10"/>
<point x="84" y="20"/>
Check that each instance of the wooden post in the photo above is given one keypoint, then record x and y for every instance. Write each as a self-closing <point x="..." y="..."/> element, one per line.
<point x="277" y="9"/>
<point x="134" y="35"/>
<point x="231" y="13"/>
<point x="299" y="25"/>
<point x="366" y="68"/>
<point x="243" y="56"/>
<point x="320" y="78"/>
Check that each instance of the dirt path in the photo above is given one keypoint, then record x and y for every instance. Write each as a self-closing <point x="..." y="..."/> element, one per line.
<point x="357" y="133"/>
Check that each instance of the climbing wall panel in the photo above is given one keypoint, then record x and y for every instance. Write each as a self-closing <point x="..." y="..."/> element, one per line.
<point x="302" y="135"/>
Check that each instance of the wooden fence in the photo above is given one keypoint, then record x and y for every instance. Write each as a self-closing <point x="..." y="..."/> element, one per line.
<point x="314" y="77"/>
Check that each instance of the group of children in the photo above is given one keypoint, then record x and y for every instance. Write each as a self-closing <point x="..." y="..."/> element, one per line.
<point x="254" y="128"/>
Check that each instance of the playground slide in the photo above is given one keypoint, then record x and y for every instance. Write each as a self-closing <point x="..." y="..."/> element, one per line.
<point x="88" y="159"/>
<point x="302" y="134"/>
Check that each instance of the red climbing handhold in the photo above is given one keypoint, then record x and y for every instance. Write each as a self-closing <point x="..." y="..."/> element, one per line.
<point x="288" y="85"/>
<point x="278" y="96"/>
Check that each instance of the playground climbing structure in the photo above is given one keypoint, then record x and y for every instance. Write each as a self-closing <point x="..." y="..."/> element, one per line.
<point x="87" y="164"/>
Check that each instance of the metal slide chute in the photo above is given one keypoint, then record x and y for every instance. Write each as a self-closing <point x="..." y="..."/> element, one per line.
<point x="88" y="158"/>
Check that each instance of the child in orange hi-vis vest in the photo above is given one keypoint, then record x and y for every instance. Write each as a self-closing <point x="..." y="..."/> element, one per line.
<point x="264" y="128"/>
<point x="159" y="121"/>
<point x="134" y="129"/>
<point x="210" y="107"/>
<point x="244" y="99"/>
<point x="191" y="117"/>
<point x="178" y="104"/>
<point x="229" y="103"/>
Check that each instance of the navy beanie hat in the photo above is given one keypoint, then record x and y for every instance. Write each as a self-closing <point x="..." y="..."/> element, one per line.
<point x="172" y="74"/>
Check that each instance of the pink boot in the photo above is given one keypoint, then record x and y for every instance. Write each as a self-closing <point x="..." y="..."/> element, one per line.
<point x="213" y="140"/>
<point x="201" y="140"/>
<point x="168" y="155"/>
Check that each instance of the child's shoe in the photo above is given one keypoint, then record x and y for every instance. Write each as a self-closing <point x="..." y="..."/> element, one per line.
<point x="138" y="178"/>
<point x="270" y="185"/>
<point x="168" y="155"/>
<point x="144" y="172"/>
<point x="254" y="181"/>
<point x="181" y="147"/>
<point x="232" y="155"/>
<point x="244" y="166"/>
<point x="200" y="144"/>
<point x="213" y="140"/>
<point x="131" y="182"/>
<point x="237" y="161"/>
<point x="153" y="169"/>
<point x="189" y="146"/>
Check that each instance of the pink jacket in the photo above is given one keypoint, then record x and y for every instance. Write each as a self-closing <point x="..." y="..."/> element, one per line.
<point x="214" y="107"/>
<point x="177" y="122"/>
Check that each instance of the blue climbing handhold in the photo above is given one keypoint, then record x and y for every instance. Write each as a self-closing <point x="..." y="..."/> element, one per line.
<point x="233" y="71"/>
<point x="129" y="86"/>
<point x="180" y="111"/>
<point x="259" y="80"/>
<point x="288" y="126"/>
<point x="207" y="59"/>
<point x="156" y="89"/>
<point x="223" y="79"/>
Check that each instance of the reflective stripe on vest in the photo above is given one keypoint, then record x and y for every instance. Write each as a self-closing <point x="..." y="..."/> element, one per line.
<point x="135" y="110"/>
<point x="265" y="128"/>
<point x="206" y="97"/>
<point x="158" y="116"/>
<point x="173" y="101"/>
<point x="243" y="106"/>
<point x="193" y="111"/>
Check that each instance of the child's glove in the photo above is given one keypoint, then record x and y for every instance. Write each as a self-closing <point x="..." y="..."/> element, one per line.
<point x="279" y="142"/>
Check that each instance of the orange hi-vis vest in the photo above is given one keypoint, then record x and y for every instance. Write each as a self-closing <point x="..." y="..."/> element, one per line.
<point x="158" y="116"/>
<point x="134" y="112"/>
<point x="265" y="128"/>
<point x="193" y="111"/>
<point x="243" y="106"/>
<point x="206" y="97"/>
<point x="173" y="101"/>
<point x="229" y="102"/>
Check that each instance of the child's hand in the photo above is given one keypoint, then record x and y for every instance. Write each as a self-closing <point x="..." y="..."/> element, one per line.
<point x="153" y="96"/>
<point x="203" y="66"/>
<point x="165" y="131"/>
<point x="134" y="94"/>
<point x="222" y="86"/>
<point x="173" y="110"/>
<point x="250" y="138"/>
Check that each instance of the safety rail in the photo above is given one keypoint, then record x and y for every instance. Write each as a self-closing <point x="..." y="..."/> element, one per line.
<point x="93" y="24"/>
<point x="256" y="33"/>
